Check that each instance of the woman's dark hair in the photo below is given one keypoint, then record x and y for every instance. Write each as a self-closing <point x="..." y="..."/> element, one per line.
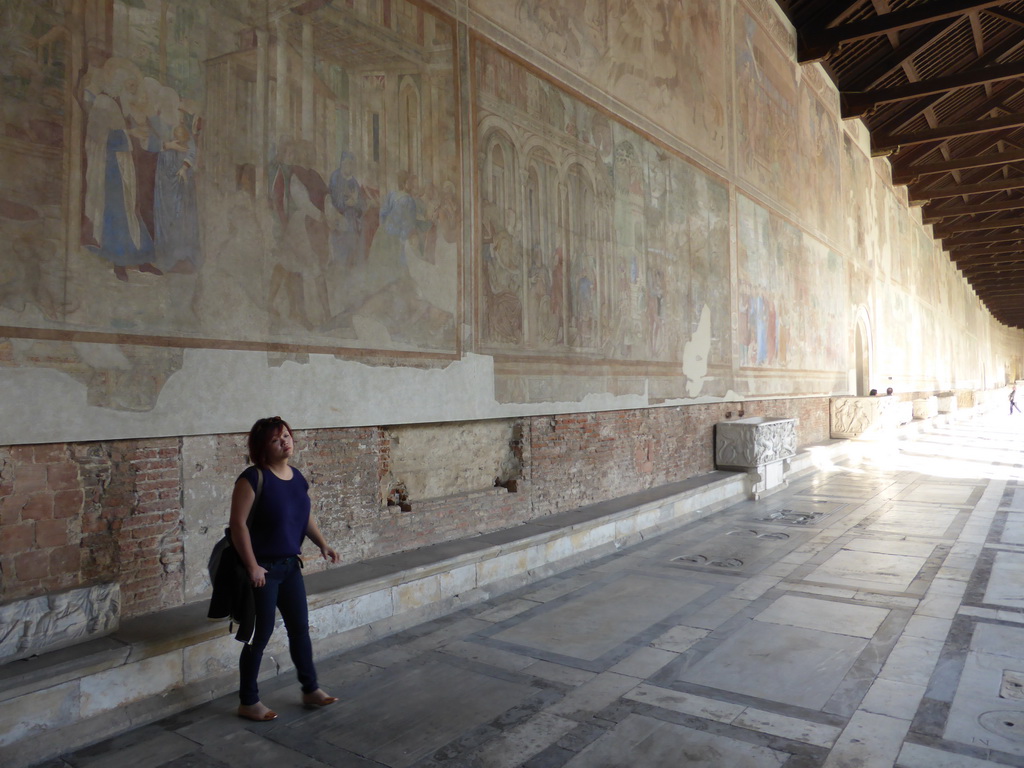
<point x="262" y="432"/>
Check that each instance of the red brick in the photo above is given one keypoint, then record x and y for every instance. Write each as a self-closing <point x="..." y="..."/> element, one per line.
<point x="39" y="506"/>
<point x="68" y="503"/>
<point x="65" y="560"/>
<point x="62" y="476"/>
<point x="51" y="533"/>
<point x="30" y="478"/>
<point x="146" y="531"/>
<point x="32" y="565"/>
<point x="49" y="452"/>
<point x="17" y="538"/>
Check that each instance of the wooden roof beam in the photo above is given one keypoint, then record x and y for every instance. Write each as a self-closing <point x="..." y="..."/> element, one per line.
<point x="884" y="143"/>
<point x="910" y="173"/>
<point x="933" y="214"/>
<point x="1010" y="16"/>
<point x="857" y="104"/>
<point x="983" y="187"/>
<point x="980" y="226"/>
<point x="973" y="111"/>
<point x="993" y="251"/>
<point x="868" y="73"/>
<point x="950" y="242"/>
<point x="817" y="45"/>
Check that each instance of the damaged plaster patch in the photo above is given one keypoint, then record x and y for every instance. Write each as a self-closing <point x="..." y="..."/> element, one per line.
<point x="695" y="354"/>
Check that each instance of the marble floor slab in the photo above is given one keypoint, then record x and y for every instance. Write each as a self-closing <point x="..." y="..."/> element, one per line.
<point x="912" y="520"/>
<point x="791" y="665"/>
<point x="645" y="741"/>
<point x="1013" y="530"/>
<point x="439" y="701"/>
<point x="825" y="615"/>
<point x="592" y="624"/>
<point x="1006" y="584"/>
<point x="868" y="570"/>
<point x="939" y="493"/>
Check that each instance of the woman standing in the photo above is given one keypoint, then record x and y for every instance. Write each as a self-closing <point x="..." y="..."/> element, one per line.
<point x="268" y="536"/>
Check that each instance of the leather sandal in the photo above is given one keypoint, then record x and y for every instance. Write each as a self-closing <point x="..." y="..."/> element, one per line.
<point x="315" y="703"/>
<point x="255" y="716"/>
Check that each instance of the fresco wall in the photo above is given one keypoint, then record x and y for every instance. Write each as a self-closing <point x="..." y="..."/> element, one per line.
<point x="365" y="212"/>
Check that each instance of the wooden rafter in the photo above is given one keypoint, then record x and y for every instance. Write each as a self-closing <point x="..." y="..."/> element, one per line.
<point x="812" y="47"/>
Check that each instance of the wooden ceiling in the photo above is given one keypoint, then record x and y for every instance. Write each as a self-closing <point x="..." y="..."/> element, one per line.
<point x="940" y="86"/>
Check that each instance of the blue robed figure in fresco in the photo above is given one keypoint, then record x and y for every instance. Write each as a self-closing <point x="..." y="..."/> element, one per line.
<point x="350" y="201"/>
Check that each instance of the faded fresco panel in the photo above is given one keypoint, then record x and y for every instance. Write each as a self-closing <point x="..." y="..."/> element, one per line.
<point x="856" y="182"/>
<point x="792" y="293"/>
<point x="595" y="243"/>
<point x="820" y="176"/>
<point x="767" y="115"/>
<point x="665" y="59"/>
<point x="230" y="180"/>
<point x="187" y="172"/>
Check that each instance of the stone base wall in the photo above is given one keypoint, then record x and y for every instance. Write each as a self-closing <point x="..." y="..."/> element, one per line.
<point x="143" y="514"/>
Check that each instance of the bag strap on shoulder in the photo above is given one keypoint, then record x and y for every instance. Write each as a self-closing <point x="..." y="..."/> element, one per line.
<point x="259" y="492"/>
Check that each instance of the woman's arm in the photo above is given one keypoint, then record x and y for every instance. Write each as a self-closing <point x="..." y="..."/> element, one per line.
<point x="314" y="535"/>
<point x="242" y="499"/>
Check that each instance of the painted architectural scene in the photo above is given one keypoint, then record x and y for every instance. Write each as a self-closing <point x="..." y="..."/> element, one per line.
<point x="664" y="59"/>
<point x="595" y="243"/>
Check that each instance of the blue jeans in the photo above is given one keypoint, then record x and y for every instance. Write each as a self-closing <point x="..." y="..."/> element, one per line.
<point x="284" y="590"/>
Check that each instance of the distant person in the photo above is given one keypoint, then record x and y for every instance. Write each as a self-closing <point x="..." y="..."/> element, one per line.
<point x="888" y="392"/>
<point x="1013" y="399"/>
<point x="873" y="393"/>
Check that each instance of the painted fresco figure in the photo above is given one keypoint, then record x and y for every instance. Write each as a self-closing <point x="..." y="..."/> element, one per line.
<point x="503" y="305"/>
<point x="298" y="194"/>
<point x="119" y="234"/>
<point x="175" y="210"/>
<point x="401" y="222"/>
<point x="350" y="202"/>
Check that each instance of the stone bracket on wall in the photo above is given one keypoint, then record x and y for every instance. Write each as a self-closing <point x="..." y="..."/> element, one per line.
<point x="760" y="446"/>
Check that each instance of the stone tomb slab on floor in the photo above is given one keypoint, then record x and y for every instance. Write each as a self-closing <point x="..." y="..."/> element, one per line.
<point x="871" y="564"/>
<point x="1006" y="580"/>
<point x="996" y="655"/>
<point x="742" y="548"/>
<point x="439" y="702"/>
<point x="805" y="511"/>
<point x="645" y="741"/>
<point x="959" y="494"/>
<point x="788" y="664"/>
<point x="913" y="519"/>
<point x="591" y="623"/>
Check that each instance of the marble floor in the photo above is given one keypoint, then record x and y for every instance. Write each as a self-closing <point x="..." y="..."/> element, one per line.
<point x="869" y="615"/>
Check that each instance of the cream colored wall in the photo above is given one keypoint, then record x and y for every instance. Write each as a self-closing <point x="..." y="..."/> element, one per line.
<point x="621" y="205"/>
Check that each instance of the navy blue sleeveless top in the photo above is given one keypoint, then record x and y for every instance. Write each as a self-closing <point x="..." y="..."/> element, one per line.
<point x="278" y="523"/>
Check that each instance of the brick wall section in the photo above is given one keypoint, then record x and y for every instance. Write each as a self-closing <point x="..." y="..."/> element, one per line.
<point x="74" y="515"/>
<point x="131" y="520"/>
<point x="86" y="513"/>
<point x="40" y="519"/>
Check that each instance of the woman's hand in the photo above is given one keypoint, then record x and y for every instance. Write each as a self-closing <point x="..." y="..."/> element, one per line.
<point x="327" y="553"/>
<point x="258" y="576"/>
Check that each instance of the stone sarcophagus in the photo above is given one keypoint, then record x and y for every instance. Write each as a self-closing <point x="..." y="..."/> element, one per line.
<point x="857" y="416"/>
<point x="759" y="445"/>
<point x="49" y="622"/>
